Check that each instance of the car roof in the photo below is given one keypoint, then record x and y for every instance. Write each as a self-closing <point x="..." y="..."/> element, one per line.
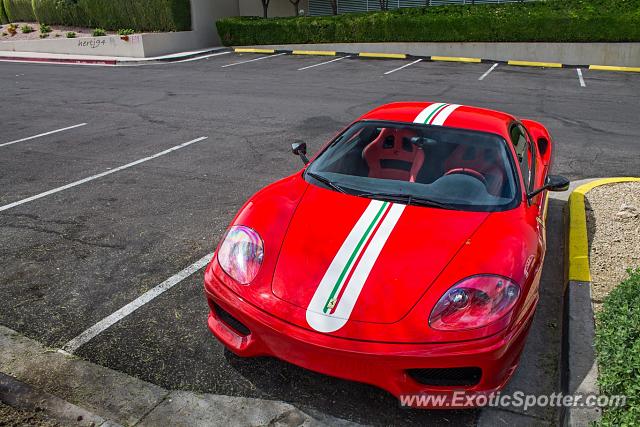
<point x="463" y="117"/>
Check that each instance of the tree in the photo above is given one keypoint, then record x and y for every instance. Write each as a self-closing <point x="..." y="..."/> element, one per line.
<point x="295" y="4"/>
<point x="334" y="6"/>
<point x="265" y="7"/>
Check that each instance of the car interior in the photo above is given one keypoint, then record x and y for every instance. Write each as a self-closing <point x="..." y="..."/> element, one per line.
<point x="402" y="153"/>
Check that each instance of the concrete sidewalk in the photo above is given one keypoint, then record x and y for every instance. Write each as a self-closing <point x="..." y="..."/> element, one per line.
<point x="77" y="392"/>
<point x="61" y="58"/>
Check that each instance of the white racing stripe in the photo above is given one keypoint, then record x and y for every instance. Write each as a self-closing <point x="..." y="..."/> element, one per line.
<point x="42" y="134"/>
<point x="100" y="175"/>
<point x="443" y="115"/>
<point x="107" y="322"/>
<point x="359" y="242"/>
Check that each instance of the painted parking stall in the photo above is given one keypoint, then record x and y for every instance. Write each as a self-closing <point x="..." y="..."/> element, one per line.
<point x="111" y="269"/>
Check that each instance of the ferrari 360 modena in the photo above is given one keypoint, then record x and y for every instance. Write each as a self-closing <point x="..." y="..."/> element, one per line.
<point x="406" y="254"/>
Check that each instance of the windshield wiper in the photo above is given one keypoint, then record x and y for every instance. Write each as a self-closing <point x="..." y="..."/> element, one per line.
<point x="326" y="181"/>
<point x="408" y="199"/>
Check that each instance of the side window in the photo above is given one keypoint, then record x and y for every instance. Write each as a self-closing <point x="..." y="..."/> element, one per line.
<point x="523" y="153"/>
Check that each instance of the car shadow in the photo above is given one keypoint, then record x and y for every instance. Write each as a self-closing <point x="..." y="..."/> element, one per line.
<point x="321" y="395"/>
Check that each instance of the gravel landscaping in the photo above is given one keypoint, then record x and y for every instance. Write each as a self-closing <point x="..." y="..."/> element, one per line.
<point x="57" y="31"/>
<point x="613" y="221"/>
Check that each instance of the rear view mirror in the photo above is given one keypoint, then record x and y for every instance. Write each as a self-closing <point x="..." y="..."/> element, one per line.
<point x="299" y="148"/>
<point x="553" y="183"/>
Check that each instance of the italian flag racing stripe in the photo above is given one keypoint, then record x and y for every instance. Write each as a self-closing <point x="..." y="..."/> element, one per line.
<point x="436" y="114"/>
<point x="342" y="283"/>
<point x="339" y="289"/>
<point x="331" y="302"/>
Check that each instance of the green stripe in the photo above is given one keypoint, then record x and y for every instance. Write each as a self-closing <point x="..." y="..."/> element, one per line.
<point x="353" y="255"/>
<point x="434" y="113"/>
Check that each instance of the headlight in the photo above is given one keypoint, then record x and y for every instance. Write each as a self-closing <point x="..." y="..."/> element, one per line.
<point x="240" y="255"/>
<point x="474" y="302"/>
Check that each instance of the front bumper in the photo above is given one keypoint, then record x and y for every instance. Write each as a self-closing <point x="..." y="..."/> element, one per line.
<point x="385" y="365"/>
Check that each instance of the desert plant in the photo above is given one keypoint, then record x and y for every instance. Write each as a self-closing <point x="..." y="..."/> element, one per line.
<point x="26" y="29"/>
<point x="44" y="29"/>
<point x="99" y="32"/>
<point x="12" y="29"/>
<point x="44" y="35"/>
<point x="71" y="35"/>
<point x="125" y="32"/>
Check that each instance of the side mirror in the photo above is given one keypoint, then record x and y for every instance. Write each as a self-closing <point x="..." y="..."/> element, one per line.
<point x="300" y="149"/>
<point x="554" y="183"/>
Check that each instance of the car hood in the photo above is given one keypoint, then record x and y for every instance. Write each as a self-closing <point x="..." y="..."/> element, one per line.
<point x="353" y="258"/>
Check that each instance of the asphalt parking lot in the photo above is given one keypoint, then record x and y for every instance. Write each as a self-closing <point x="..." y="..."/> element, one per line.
<point x="70" y="258"/>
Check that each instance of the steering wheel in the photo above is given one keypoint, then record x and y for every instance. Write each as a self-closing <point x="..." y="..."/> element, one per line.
<point x="466" y="171"/>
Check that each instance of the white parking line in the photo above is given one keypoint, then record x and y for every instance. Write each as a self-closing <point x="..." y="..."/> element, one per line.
<point x="404" y="66"/>
<point x="493" y="67"/>
<point x="42" y="134"/>
<point x="325" y="62"/>
<point x="582" y="83"/>
<point x="107" y="322"/>
<point x="252" y="60"/>
<point x="100" y="175"/>
<point x="198" y="58"/>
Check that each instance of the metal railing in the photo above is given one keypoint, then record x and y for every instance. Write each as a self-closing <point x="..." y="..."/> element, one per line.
<point x="323" y="7"/>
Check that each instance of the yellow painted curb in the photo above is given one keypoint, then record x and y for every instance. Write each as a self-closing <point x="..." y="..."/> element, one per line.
<point x="455" y="59"/>
<point x="251" y="50"/>
<point x="383" y="55"/>
<point x="611" y="68"/>
<point x="535" y="64"/>
<point x="314" y="52"/>
<point x="578" y="240"/>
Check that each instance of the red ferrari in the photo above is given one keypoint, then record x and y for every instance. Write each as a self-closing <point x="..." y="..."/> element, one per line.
<point x="406" y="254"/>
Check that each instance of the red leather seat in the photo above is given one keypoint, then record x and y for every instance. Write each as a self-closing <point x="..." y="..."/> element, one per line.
<point x="482" y="160"/>
<point x="392" y="155"/>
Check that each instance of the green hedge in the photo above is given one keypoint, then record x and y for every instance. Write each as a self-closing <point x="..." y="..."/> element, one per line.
<point x="549" y="21"/>
<point x="618" y="350"/>
<point x="60" y="12"/>
<point x="140" y="15"/>
<point x="19" y="10"/>
<point x="3" y="15"/>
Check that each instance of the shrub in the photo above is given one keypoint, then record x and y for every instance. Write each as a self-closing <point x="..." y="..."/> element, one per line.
<point x="125" y="32"/>
<point x="26" y="29"/>
<point x="19" y="10"/>
<point x="141" y="15"/>
<point x="44" y="28"/>
<point x="4" y="19"/>
<point x="618" y="350"/>
<point x="550" y="21"/>
<point x="61" y="12"/>
<point x="71" y="35"/>
<point x="44" y="35"/>
<point x="12" y="29"/>
<point x="98" y="32"/>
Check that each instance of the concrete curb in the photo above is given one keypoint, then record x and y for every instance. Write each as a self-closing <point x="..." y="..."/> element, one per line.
<point x="20" y="395"/>
<point x="434" y="58"/>
<point x="580" y="369"/>
<point x="66" y="388"/>
<point x="107" y="61"/>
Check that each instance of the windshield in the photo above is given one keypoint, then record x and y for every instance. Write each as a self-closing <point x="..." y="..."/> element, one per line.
<point x="418" y="164"/>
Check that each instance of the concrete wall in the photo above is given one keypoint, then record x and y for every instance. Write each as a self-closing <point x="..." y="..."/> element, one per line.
<point x="620" y="54"/>
<point x="204" y="14"/>
<point x="276" y="7"/>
